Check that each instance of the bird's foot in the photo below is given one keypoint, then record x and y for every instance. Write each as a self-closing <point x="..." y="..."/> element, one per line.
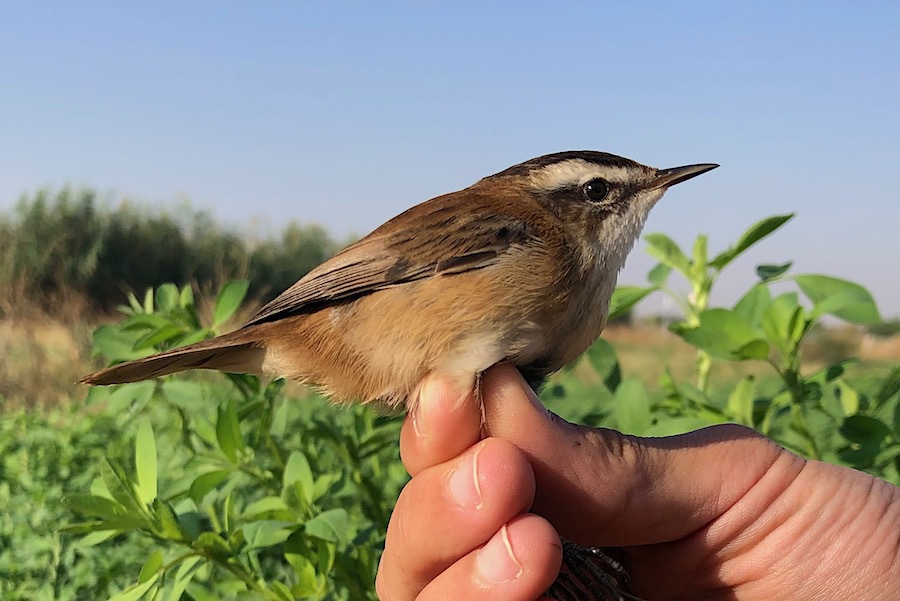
<point x="588" y="573"/>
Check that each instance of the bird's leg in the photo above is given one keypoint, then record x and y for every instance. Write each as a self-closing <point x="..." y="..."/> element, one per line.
<point x="588" y="573"/>
<point x="480" y="400"/>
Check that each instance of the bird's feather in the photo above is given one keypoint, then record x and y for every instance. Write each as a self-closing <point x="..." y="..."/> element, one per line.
<point x="393" y="255"/>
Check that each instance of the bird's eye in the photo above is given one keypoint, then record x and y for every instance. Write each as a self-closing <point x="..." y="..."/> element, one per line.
<point x="596" y="190"/>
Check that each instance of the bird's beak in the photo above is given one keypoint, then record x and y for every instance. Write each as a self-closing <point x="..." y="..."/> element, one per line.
<point x="669" y="177"/>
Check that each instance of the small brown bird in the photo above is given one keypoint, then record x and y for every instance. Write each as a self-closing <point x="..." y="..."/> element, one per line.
<point x="518" y="267"/>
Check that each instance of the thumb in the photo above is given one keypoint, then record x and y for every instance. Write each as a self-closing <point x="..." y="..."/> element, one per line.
<point x="602" y="488"/>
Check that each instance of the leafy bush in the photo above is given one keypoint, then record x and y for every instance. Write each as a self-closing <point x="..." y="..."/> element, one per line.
<point x="45" y="456"/>
<point x="261" y="494"/>
<point x="70" y="246"/>
<point x="240" y="491"/>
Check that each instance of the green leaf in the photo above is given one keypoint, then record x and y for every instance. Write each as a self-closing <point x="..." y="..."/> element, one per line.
<point x="167" y="297"/>
<point x="267" y="533"/>
<point x="228" y="512"/>
<point x="305" y="573"/>
<point x="204" y="483"/>
<point x="97" y="394"/>
<point x="659" y="274"/>
<point x="265" y="505"/>
<point x="740" y="401"/>
<point x="115" y="344"/>
<point x="602" y="357"/>
<point x="889" y="387"/>
<point x="135" y="592"/>
<point x="755" y="349"/>
<point x="143" y="323"/>
<point x="830" y="373"/>
<point x="134" y="303"/>
<point x="118" y="525"/>
<point x="229" y="300"/>
<point x="849" y="398"/>
<point x="191" y="337"/>
<point x="631" y="407"/>
<point x="664" y="249"/>
<point x="186" y="395"/>
<point x="94" y="538"/>
<point x="753" y="304"/>
<point x="120" y="487"/>
<point x="151" y="566"/>
<point x="283" y="592"/>
<point x="833" y="296"/>
<point x="148" y="301"/>
<point x="186" y="299"/>
<point x="127" y="395"/>
<point x="191" y="523"/>
<point x="183" y="577"/>
<point x="169" y="527"/>
<point x="890" y="453"/>
<point x="228" y="431"/>
<point x="297" y="471"/>
<point x="214" y="544"/>
<point x="94" y="505"/>
<point x="332" y="525"/>
<point x="864" y="430"/>
<point x="624" y="298"/>
<point x="754" y="234"/>
<point x="724" y="334"/>
<point x="779" y="318"/>
<point x="164" y="334"/>
<point x="145" y="462"/>
<point x="768" y="272"/>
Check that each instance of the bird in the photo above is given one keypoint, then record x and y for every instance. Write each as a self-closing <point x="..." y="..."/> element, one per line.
<point x="518" y="267"/>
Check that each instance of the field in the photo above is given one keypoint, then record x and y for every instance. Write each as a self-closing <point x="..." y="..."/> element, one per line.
<point x="204" y="486"/>
<point x="54" y="446"/>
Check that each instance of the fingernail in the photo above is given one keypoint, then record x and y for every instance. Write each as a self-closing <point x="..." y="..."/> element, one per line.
<point x="464" y="485"/>
<point x="433" y="391"/>
<point x="496" y="561"/>
<point x="428" y="395"/>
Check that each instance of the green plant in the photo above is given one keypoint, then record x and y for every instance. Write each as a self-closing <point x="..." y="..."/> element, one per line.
<point x="244" y="492"/>
<point x="43" y="456"/>
<point x="821" y="415"/>
<point x="253" y="494"/>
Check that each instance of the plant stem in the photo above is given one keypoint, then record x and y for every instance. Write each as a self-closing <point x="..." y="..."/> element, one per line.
<point x="704" y="365"/>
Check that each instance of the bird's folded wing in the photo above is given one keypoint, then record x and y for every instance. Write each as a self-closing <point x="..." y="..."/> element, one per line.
<point x="392" y="256"/>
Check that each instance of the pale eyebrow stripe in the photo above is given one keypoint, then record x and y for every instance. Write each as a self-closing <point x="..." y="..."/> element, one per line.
<point x="574" y="172"/>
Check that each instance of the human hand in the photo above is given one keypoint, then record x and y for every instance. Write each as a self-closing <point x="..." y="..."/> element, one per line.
<point x="721" y="513"/>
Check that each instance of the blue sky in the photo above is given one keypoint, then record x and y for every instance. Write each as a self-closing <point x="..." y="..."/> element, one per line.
<point x="345" y="114"/>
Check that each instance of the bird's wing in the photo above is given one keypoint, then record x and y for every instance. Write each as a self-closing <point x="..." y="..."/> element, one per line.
<point x="440" y="241"/>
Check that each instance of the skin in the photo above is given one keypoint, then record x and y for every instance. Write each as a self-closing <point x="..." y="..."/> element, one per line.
<point x="718" y="514"/>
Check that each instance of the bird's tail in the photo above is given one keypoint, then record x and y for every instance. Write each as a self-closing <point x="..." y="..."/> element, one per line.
<point x="237" y="352"/>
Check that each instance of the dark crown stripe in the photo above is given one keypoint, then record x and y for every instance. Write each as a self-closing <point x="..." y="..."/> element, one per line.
<point x="590" y="156"/>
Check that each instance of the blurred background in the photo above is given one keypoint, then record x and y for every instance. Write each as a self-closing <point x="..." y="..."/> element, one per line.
<point x="198" y="142"/>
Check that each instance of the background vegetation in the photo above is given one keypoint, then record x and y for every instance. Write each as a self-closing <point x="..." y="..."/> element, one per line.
<point x="205" y="486"/>
<point x="71" y="248"/>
